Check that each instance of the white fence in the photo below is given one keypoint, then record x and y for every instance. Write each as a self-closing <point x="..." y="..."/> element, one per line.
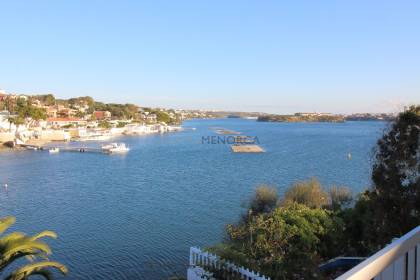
<point x="199" y="260"/>
<point x="398" y="261"/>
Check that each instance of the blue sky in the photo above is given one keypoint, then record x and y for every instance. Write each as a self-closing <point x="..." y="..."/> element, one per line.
<point x="271" y="56"/>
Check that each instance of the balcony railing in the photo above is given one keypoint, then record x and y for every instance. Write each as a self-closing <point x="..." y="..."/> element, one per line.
<point x="202" y="264"/>
<point x="400" y="260"/>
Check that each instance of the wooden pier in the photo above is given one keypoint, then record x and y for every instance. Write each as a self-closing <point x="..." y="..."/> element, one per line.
<point x="66" y="149"/>
<point x="82" y="150"/>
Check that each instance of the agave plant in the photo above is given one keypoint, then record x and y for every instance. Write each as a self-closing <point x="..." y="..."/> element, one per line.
<point x="16" y="245"/>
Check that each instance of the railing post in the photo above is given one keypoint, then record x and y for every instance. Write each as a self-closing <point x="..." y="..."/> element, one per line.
<point x="191" y="256"/>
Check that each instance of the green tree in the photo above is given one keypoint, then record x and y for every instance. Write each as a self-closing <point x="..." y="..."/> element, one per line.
<point x="121" y="124"/>
<point x="26" y="110"/>
<point x="85" y="100"/>
<point x="17" y="121"/>
<point x="360" y="235"/>
<point x="36" y="113"/>
<point x="16" y="245"/>
<point x="396" y="178"/>
<point x="80" y="114"/>
<point x="46" y="99"/>
<point x="11" y="105"/>
<point x="49" y="100"/>
<point x="162" y="117"/>
<point x="105" y="124"/>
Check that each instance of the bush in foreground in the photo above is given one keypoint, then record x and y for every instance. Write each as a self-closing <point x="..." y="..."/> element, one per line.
<point x="286" y="243"/>
<point x="309" y="193"/>
<point x="264" y="200"/>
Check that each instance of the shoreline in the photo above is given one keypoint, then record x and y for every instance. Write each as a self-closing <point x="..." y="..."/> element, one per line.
<point x="48" y="142"/>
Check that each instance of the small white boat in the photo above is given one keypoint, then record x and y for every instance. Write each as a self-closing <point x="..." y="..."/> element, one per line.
<point x="54" y="150"/>
<point x="115" y="148"/>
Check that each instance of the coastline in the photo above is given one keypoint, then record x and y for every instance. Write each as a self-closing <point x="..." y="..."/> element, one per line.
<point x="44" y="138"/>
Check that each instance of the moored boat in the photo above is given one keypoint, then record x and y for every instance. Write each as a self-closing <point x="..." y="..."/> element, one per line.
<point x="54" y="150"/>
<point x="115" y="148"/>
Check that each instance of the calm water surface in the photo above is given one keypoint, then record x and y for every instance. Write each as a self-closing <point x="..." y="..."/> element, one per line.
<point x="135" y="216"/>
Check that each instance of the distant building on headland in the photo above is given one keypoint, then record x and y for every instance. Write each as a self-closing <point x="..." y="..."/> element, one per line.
<point x="102" y="115"/>
<point x="312" y="114"/>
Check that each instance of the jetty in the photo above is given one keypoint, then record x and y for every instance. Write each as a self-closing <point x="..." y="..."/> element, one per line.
<point x="64" y="149"/>
<point x="81" y="150"/>
<point x="247" y="149"/>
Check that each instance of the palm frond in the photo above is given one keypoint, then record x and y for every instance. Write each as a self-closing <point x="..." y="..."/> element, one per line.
<point x="45" y="233"/>
<point x="29" y="254"/>
<point x="6" y="222"/>
<point x="16" y="245"/>
<point x="37" y="247"/>
<point x="39" y="268"/>
<point x="14" y="236"/>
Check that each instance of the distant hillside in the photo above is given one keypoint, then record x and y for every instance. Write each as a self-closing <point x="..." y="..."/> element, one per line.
<point x="301" y="118"/>
<point x="370" y="117"/>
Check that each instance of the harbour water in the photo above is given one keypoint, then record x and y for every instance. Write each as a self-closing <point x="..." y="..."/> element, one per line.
<point x="135" y="216"/>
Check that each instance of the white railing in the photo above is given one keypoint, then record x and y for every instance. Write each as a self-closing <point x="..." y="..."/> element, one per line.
<point x="398" y="260"/>
<point x="202" y="259"/>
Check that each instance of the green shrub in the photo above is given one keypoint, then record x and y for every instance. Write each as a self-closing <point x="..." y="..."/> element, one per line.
<point x="264" y="200"/>
<point x="309" y="193"/>
<point x="283" y="244"/>
<point x="340" y="197"/>
<point x="104" y="124"/>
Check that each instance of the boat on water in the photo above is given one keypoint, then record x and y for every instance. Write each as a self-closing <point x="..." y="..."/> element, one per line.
<point x="34" y="148"/>
<point x="54" y="150"/>
<point x="115" y="148"/>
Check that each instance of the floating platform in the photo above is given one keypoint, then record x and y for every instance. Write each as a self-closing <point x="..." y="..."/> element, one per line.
<point x="227" y="132"/>
<point x="224" y="131"/>
<point x="247" y="149"/>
